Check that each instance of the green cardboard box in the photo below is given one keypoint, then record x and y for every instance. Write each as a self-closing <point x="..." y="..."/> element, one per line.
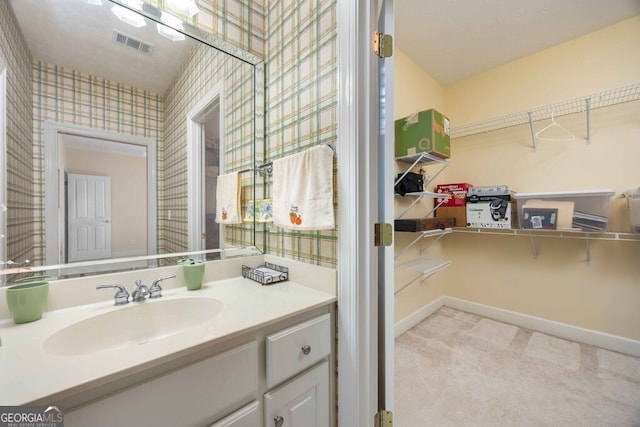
<point x="427" y="131"/>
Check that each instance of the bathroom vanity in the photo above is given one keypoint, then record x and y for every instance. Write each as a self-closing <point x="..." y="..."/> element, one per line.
<point x="234" y="353"/>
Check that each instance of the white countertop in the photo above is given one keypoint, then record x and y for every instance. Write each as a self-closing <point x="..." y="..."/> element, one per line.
<point x="28" y="373"/>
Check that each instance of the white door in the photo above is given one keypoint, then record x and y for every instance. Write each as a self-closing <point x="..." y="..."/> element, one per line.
<point x="302" y="402"/>
<point x="88" y="217"/>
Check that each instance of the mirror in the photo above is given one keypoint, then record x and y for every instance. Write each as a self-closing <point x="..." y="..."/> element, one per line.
<point x="116" y="129"/>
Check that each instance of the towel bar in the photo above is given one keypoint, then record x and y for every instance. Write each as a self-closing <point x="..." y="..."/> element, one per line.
<point x="267" y="168"/>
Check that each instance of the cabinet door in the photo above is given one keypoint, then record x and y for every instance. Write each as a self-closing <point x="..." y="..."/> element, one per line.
<point x="302" y="402"/>
<point x="249" y="416"/>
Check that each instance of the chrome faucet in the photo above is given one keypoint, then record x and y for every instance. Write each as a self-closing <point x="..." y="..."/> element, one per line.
<point x="121" y="297"/>
<point x="155" y="291"/>
<point x="140" y="293"/>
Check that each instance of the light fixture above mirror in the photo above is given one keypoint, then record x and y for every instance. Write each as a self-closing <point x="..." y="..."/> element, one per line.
<point x="128" y="16"/>
<point x="183" y="7"/>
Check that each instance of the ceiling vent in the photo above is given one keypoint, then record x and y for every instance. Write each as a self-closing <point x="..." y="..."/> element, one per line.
<point x="131" y="42"/>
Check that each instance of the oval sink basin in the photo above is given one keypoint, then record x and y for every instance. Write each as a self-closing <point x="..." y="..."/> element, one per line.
<point x="132" y="325"/>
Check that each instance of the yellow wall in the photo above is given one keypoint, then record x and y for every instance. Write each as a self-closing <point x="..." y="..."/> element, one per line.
<point x="500" y="271"/>
<point x="414" y="90"/>
<point x="602" y="60"/>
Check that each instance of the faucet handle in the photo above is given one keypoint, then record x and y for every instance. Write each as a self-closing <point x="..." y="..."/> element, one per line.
<point x="121" y="297"/>
<point x="140" y="293"/>
<point x="155" y="291"/>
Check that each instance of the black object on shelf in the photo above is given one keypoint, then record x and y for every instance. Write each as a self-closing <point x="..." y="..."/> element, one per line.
<point x="266" y="274"/>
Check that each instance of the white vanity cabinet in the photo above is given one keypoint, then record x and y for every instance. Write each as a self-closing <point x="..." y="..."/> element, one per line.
<point x="249" y="416"/>
<point x="188" y="396"/>
<point x="303" y="401"/>
<point x="281" y="370"/>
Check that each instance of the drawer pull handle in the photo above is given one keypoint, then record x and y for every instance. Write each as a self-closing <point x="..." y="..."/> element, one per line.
<point x="278" y="421"/>
<point x="306" y="349"/>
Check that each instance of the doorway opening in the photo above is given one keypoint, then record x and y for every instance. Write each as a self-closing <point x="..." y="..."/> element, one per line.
<point x="130" y="163"/>
<point x="211" y="157"/>
<point x="205" y="123"/>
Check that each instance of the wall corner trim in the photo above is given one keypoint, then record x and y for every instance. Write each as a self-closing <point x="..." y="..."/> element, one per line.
<point x="551" y="327"/>
<point x="417" y="316"/>
<point x="562" y="330"/>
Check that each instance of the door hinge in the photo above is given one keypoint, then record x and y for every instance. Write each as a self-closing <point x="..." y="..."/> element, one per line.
<point x="382" y="45"/>
<point x="383" y="234"/>
<point x="383" y="419"/>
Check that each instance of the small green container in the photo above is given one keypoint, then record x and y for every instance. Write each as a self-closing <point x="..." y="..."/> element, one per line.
<point x="193" y="273"/>
<point x="27" y="301"/>
<point x="44" y="278"/>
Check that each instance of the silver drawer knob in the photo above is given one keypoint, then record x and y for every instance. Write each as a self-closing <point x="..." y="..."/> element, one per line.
<point x="278" y="421"/>
<point x="306" y="349"/>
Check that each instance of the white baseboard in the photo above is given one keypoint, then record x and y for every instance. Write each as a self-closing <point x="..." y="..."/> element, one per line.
<point x="562" y="330"/>
<point x="417" y="316"/>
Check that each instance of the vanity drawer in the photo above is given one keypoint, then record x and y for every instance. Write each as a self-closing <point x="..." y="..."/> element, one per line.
<point x="295" y="349"/>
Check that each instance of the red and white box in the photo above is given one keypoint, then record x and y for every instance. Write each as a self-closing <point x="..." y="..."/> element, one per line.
<point x="458" y="194"/>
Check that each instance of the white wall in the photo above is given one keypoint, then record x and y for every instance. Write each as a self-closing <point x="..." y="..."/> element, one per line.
<point x="128" y="194"/>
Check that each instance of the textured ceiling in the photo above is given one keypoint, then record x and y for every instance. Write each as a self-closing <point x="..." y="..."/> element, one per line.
<point x="75" y="34"/>
<point x="455" y="39"/>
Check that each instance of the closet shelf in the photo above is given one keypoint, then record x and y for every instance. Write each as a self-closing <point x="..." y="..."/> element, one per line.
<point x="426" y="268"/>
<point x="424" y="234"/>
<point x="558" y="234"/>
<point x="426" y="159"/>
<point x="563" y="234"/>
<point x="419" y="196"/>
<point x="426" y="194"/>
<point x="422" y="157"/>
<point x="582" y="104"/>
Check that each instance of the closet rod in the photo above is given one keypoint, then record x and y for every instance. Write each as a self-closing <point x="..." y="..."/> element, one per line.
<point x="606" y="98"/>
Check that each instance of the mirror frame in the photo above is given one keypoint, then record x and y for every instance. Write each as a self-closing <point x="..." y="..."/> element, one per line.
<point x="153" y="13"/>
<point x="3" y="166"/>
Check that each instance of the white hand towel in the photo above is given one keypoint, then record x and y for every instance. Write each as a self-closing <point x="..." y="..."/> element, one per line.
<point x="303" y="190"/>
<point x="228" y="199"/>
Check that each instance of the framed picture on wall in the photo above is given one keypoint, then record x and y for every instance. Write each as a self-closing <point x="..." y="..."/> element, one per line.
<point x="539" y="218"/>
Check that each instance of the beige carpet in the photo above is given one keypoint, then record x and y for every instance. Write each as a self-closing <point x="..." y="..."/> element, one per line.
<point x="459" y="369"/>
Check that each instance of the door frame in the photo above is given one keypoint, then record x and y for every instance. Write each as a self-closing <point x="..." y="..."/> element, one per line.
<point x="360" y="280"/>
<point x="195" y="163"/>
<point x="54" y="208"/>
<point x="386" y="211"/>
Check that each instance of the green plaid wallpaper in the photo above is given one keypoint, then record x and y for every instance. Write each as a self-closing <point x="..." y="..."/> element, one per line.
<point x="298" y="42"/>
<point x="70" y="97"/>
<point x="240" y="22"/>
<point x="21" y="212"/>
<point x="205" y="68"/>
<point x="301" y="100"/>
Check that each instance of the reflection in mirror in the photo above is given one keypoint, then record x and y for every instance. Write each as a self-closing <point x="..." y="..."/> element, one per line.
<point x="117" y="129"/>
